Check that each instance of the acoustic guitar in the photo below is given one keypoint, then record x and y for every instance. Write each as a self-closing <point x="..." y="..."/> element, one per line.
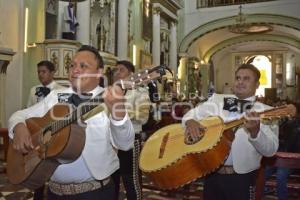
<point x="61" y="140"/>
<point x="171" y="162"/>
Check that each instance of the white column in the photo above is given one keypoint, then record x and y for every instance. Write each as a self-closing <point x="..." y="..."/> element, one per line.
<point x="173" y="47"/>
<point x="156" y="37"/>
<point x="83" y="18"/>
<point x="123" y="29"/>
<point x="182" y="76"/>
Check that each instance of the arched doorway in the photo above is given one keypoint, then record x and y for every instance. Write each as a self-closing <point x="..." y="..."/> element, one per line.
<point x="264" y="65"/>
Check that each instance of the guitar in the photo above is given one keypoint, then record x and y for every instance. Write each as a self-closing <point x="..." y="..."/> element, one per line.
<point x="56" y="140"/>
<point x="170" y="162"/>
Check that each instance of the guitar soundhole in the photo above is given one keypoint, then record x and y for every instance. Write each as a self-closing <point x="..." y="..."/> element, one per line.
<point x="190" y="141"/>
<point x="47" y="135"/>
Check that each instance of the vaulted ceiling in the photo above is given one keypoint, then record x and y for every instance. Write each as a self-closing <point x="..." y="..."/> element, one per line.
<point x="215" y="37"/>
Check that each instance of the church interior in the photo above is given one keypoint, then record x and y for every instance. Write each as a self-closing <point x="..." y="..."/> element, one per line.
<point x="202" y="42"/>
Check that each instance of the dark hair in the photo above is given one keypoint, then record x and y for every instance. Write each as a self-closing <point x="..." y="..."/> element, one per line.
<point x="250" y="67"/>
<point x="127" y="64"/>
<point x="50" y="66"/>
<point x="93" y="50"/>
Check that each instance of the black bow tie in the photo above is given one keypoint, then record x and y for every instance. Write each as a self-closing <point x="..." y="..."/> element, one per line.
<point x="42" y="91"/>
<point x="236" y="105"/>
<point x="76" y="99"/>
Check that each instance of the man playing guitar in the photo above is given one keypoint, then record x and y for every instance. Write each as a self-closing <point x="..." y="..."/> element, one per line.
<point x="236" y="178"/>
<point x="88" y="177"/>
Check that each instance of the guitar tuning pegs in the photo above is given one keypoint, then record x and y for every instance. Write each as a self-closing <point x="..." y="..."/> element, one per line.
<point x="133" y="85"/>
<point x="153" y="83"/>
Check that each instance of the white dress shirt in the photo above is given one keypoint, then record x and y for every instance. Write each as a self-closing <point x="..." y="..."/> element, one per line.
<point x="103" y="135"/>
<point x="138" y="107"/>
<point x="246" y="152"/>
<point x="33" y="99"/>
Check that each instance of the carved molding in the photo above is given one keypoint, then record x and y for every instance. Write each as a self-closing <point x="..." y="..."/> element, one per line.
<point x="3" y="66"/>
<point x="60" y="52"/>
<point x="6" y="56"/>
<point x="157" y="10"/>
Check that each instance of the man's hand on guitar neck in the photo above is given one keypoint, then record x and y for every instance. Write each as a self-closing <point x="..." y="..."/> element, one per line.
<point x="194" y="131"/>
<point x="252" y="123"/>
<point x="114" y="100"/>
<point x="22" y="138"/>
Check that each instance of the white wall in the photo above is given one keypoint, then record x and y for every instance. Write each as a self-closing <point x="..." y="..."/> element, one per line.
<point x="11" y="26"/>
<point x="83" y="17"/>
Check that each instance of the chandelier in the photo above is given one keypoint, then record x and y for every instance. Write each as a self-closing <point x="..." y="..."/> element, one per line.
<point x="242" y="27"/>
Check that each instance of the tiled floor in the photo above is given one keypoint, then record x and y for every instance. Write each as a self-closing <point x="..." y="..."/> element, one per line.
<point x="191" y="192"/>
<point x="150" y="192"/>
<point x="12" y="192"/>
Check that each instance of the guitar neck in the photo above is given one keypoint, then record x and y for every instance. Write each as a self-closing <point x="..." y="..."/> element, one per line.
<point x="95" y="105"/>
<point x="82" y="112"/>
<point x="235" y="123"/>
<point x="277" y="113"/>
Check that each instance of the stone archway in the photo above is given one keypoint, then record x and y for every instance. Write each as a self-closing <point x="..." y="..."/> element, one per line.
<point x="280" y="20"/>
<point x="251" y="38"/>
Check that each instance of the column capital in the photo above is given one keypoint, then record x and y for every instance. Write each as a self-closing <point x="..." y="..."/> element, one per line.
<point x="174" y="23"/>
<point x="157" y="10"/>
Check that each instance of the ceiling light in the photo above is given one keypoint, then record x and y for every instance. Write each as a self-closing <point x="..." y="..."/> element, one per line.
<point x="242" y="27"/>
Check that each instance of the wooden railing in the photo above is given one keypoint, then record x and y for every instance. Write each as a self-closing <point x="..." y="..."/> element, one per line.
<point x="214" y="3"/>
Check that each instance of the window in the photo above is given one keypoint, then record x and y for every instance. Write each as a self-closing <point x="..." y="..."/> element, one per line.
<point x="263" y="64"/>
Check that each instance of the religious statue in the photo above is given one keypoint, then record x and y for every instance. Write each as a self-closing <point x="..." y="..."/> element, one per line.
<point x="164" y="48"/>
<point x="70" y="23"/>
<point x="51" y="7"/>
